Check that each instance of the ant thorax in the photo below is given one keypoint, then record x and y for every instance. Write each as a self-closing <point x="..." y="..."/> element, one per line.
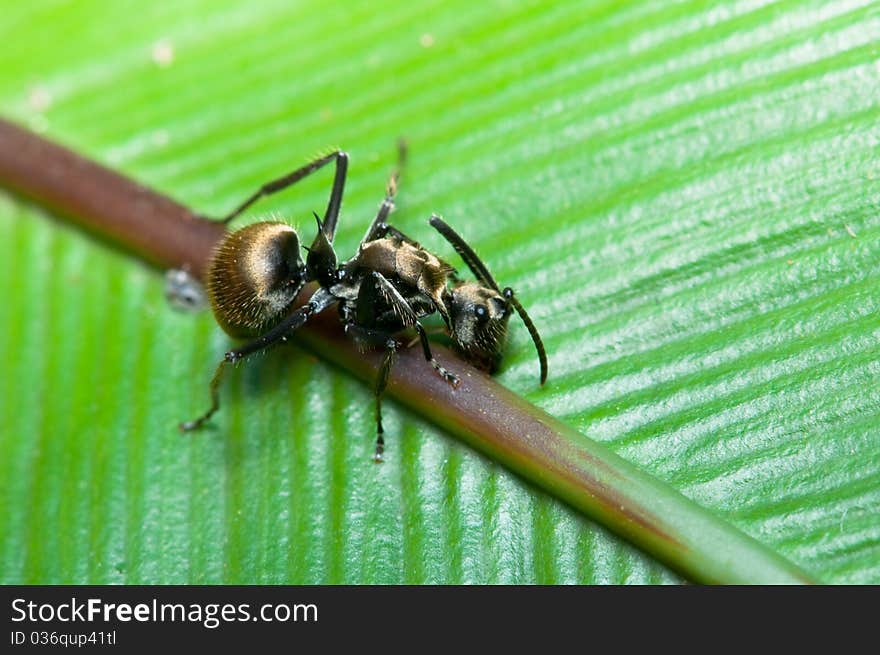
<point x="407" y="263"/>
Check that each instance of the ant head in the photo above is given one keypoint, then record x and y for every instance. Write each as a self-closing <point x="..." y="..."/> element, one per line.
<point x="478" y="317"/>
<point x="490" y="340"/>
<point x="321" y="262"/>
<point x="254" y="275"/>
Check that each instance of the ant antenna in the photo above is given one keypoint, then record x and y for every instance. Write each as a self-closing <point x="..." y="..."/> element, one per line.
<point x="465" y="251"/>
<point x="483" y="275"/>
<point x="536" y="338"/>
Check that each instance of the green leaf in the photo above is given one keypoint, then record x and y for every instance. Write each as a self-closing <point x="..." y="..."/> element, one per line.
<point x="685" y="197"/>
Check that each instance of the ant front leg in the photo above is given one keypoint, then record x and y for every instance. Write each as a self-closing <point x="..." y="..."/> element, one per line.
<point x="450" y="378"/>
<point x="333" y="206"/>
<point x="318" y="303"/>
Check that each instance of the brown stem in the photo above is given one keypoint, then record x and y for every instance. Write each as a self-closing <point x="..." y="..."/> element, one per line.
<point x="486" y="415"/>
<point x="106" y="203"/>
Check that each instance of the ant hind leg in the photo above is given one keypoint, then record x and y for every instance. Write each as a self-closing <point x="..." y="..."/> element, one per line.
<point x="334" y="204"/>
<point x="318" y="303"/>
<point x="195" y="424"/>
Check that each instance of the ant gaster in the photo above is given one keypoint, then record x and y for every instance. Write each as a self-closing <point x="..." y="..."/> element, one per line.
<point x="386" y="289"/>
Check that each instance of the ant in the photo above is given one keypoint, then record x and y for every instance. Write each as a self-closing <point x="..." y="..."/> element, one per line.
<point x="386" y="289"/>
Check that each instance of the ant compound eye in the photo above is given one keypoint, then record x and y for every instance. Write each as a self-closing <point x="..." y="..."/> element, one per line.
<point x="481" y="312"/>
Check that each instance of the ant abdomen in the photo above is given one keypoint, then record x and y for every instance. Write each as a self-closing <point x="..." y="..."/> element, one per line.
<point x="254" y="276"/>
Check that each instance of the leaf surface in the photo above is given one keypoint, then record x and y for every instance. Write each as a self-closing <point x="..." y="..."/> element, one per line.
<point x="685" y="197"/>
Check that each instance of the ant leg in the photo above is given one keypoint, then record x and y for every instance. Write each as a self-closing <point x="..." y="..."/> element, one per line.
<point x="451" y="378"/>
<point x="375" y="289"/>
<point x="195" y="424"/>
<point x="335" y="202"/>
<point x="320" y="301"/>
<point x="332" y="214"/>
<point x="381" y="383"/>
<point x="379" y="227"/>
<point x="376" y="286"/>
<point x="394" y="180"/>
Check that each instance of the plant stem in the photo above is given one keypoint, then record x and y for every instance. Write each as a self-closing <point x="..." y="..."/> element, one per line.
<point x="530" y="442"/>
<point x="108" y="204"/>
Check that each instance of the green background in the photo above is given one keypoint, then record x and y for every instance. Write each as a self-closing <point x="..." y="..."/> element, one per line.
<point x="684" y="194"/>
